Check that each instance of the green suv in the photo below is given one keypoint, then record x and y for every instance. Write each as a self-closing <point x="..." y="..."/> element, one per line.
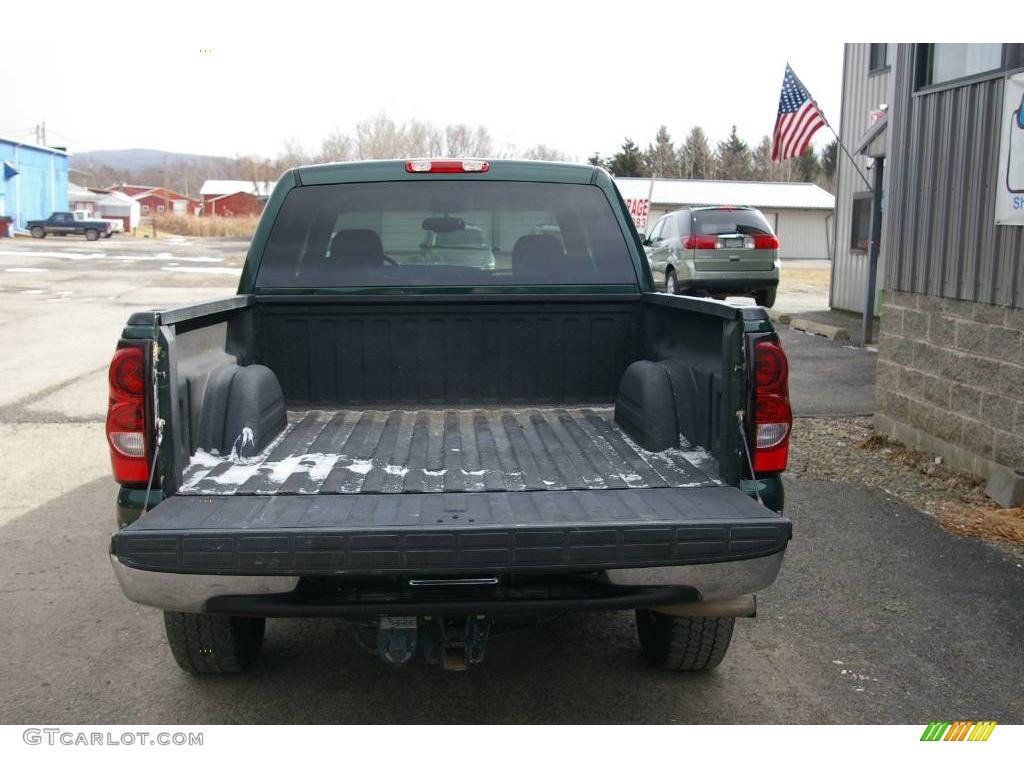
<point x="716" y="251"/>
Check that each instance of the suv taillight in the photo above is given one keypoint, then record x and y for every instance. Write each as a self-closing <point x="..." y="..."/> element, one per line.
<point x="766" y="241"/>
<point x="699" y="242"/>
<point x="773" y="417"/>
<point x="127" y="435"/>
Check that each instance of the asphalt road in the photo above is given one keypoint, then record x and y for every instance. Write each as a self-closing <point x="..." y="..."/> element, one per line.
<point x="879" y="615"/>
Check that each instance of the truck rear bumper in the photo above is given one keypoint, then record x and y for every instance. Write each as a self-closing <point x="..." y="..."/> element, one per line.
<point x="283" y="596"/>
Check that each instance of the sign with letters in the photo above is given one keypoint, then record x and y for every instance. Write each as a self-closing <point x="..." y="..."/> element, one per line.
<point x="1010" y="183"/>
<point x="638" y="209"/>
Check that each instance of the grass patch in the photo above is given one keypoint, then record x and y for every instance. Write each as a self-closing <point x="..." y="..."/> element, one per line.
<point x="201" y="226"/>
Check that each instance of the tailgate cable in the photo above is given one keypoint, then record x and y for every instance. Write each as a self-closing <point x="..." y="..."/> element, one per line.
<point x="746" y="452"/>
<point x="152" y="469"/>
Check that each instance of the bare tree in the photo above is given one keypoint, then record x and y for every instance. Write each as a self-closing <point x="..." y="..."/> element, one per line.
<point x="458" y="139"/>
<point x="542" y="152"/>
<point x="335" y="147"/>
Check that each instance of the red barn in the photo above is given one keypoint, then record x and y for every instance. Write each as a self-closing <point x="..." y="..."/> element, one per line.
<point x="157" y="199"/>
<point x="230" y="197"/>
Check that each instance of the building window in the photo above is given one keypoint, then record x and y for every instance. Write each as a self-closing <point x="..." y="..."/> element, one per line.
<point x="880" y="57"/>
<point x="860" y="228"/>
<point x="946" y="62"/>
<point x="160" y="209"/>
<point x="145" y="210"/>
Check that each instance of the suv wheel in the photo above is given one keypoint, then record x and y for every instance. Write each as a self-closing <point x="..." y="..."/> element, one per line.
<point x="38" y="232"/>
<point x="683" y="643"/>
<point x="206" y="644"/>
<point x="765" y="298"/>
<point x="92" y="234"/>
<point x="670" y="282"/>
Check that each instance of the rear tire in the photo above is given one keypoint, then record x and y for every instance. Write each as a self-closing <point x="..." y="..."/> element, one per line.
<point x="765" y="298"/>
<point x="204" y="644"/>
<point x="92" y="234"/>
<point x="671" y="286"/>
<point x="38" y="233"/>
<point x="682" y="643"/>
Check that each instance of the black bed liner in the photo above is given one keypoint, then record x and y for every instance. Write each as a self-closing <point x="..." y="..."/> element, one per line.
<point x="424" y="451"/>
<point x="450" y="533"/>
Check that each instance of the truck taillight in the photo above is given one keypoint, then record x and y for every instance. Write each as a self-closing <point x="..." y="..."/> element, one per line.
<point x="447" y="166"/>
<point x="773" y="417"/>
<point x="699" y="242"/>
<point x="126" y="415"/>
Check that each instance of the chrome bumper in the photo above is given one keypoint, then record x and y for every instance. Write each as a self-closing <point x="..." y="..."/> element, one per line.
<point x="714" y="581"/>
<point x="189" y="593"/>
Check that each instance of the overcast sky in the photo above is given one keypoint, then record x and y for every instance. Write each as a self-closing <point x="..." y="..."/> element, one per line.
<point x="232" y="79"/>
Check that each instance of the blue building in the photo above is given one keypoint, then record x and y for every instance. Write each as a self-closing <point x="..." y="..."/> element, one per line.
<point x="33" y="181"/>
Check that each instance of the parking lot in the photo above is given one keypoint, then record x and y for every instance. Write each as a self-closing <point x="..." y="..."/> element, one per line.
<point x="879" y="615"/>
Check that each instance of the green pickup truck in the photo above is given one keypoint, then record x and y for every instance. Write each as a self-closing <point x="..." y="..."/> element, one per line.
<point x="431" y="449"/>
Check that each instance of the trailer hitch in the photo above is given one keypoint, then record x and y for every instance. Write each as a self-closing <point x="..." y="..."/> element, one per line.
<point x="452" y="643"/>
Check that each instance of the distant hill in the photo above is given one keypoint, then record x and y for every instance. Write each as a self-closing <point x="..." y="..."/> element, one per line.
<point x="130" y="160"/>
<point x="181" y="171"/>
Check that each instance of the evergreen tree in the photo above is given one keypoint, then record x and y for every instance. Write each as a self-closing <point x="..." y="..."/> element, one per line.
<point x="596" y="159"/>
<point x="734" y="158"/>
<point x="696" y="160"/>
<point x="807" y="166"/>
<point x="829" y="157"/>
<point x="661" y="156"/>
<point x="764" y="168"/>
<point x="629" y="161"/>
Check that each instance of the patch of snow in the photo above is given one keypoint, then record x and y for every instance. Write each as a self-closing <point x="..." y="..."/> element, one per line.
<point x="360" y="466"/>
<point x="27" y="269"/>
<point x="395" y="469"/>
<point x="33" y="291"/>
<point x="206" y="270"/>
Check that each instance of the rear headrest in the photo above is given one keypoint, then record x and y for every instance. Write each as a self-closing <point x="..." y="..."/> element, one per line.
<point x="357" y="248"/>
<point x="536" y="256"/>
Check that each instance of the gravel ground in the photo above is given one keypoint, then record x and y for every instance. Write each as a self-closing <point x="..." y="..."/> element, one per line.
<point x="848" y="450"/>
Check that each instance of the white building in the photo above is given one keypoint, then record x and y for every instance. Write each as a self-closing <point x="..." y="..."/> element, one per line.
<point x="801" y="214"/>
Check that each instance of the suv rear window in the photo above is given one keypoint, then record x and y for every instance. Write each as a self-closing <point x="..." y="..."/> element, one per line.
<point x="725" y="221"/>
<point x="445" y="232"/>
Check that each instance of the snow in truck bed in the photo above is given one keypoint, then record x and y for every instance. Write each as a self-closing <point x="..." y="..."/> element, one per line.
<point x="422" y="451"/>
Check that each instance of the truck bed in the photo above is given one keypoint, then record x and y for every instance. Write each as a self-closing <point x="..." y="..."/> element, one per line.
<point x="452" y="450"/>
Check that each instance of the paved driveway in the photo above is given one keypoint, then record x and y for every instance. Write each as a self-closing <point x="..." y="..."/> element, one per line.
<point x="879" y="615"/>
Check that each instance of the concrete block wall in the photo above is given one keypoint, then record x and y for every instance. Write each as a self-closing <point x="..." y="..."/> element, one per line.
<point x="951" y="380"/>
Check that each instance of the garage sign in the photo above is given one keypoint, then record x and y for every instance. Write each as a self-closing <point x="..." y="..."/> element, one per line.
<point x="638" y="209"/>
<point x="1010" y="184"/>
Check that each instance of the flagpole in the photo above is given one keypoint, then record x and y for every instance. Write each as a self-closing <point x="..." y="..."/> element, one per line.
<point x="838" y="140"/>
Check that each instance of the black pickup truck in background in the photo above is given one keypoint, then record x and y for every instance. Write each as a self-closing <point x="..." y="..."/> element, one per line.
<point x="66" y="224"/>
<point x="429" y="446"/>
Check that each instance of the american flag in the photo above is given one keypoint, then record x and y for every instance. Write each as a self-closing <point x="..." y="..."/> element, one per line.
<point x="799" y="117"/>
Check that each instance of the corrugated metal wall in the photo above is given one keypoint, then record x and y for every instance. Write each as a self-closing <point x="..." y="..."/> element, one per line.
<point x="803" y="234"/>
<point x="39" y="188"/>
<point x="862" y="93"/>
<point x="942" y="239"/>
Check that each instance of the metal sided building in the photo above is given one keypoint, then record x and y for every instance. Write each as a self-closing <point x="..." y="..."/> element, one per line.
<point x="867" y="81"/>
<point x="799" y="213"/>
<point x="33" y="183"/>
<point x="951" y="350"/>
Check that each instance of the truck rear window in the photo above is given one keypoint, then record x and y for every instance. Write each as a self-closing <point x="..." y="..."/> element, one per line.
<point x="726" y="221"/>
<point x="445" y="232"/>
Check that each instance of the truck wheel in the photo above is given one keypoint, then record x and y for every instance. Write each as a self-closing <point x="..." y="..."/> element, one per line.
<point x="205" y="644"/>
<point x="38" y="232"/>
<point x="765" y="298"/>
<point x="683" y="643"/>
<point x="670" y="282"/>
<point x="92" y="234"/>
